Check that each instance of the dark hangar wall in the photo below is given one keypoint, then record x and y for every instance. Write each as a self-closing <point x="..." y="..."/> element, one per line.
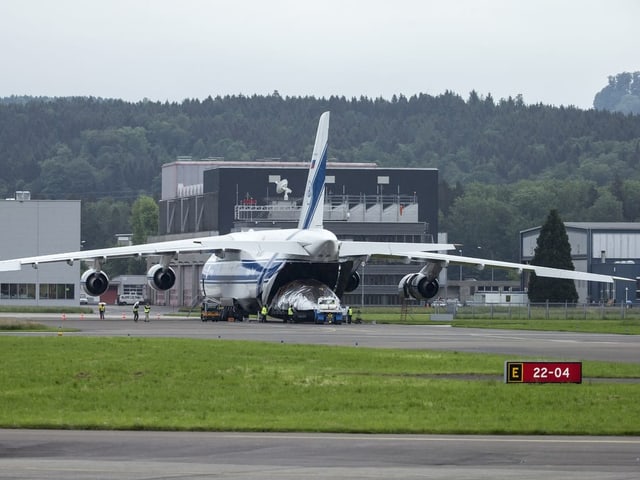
<point x="226" y="186"/>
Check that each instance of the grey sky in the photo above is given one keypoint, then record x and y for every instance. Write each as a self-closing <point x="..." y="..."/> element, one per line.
<point x="551" y="51"/>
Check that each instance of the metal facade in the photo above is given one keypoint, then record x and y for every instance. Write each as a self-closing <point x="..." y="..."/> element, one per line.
<point x="598" y="247"/>
<point x="40" y="227"/>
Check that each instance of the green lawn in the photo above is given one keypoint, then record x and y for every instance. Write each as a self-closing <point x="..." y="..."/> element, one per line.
<point x="590" y="320"/>
<point x="11" y="324"/>
<point x="184" y="384"/>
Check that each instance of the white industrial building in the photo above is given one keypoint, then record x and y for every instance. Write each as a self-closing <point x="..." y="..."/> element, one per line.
<point x="39" y="227"/>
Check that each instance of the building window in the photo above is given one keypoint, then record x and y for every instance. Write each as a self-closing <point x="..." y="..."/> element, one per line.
<point x="17" y="291"/>
<point x="57" y="291"/>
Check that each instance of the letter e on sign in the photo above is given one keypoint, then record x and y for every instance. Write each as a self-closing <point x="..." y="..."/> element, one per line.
<point x="513" y="372"/>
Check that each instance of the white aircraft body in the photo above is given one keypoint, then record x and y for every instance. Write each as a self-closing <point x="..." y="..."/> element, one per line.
<point x="249" y="269"/>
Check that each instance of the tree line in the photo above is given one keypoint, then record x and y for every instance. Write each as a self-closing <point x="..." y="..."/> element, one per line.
<point x="503" y="164"/>
<point x="622" y="94"/>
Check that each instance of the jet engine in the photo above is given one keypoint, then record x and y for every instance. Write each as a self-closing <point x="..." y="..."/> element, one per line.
<point x="353" y="282"/>
<point x="161" y="278"/>
<point x="422" y="285"/>
<point x="94" y="282"/>
<point x="418" y="286"/>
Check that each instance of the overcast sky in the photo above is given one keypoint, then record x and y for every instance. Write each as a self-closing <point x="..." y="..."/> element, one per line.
<point x="551" y="51"/>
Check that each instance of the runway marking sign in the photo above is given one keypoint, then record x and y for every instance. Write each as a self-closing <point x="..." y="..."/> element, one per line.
<point x="542" y="372"/>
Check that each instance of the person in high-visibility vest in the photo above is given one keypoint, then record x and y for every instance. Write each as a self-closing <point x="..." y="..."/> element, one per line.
<point x="290" y="314"/>
<point x="147" y="309"/>
<point x="263" y="313"/>
<point x="101" y="308"/>
<point x="349" y="314"/>
<point x="135" y="311"/>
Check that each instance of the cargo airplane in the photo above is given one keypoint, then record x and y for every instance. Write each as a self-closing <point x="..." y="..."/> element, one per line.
<point x="249" y="269"/>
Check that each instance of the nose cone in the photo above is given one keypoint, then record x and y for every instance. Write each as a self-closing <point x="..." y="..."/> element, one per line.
<point x="324" y="250"/>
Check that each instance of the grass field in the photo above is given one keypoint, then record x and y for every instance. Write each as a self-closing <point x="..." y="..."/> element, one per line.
<point x="11" y="324"/>
<point x="556" y="319"/>
<point x="181" y="384"/>
<point x="39" y="309"/>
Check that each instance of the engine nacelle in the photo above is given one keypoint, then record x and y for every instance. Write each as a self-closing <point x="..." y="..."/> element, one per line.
<point x="94" y="282"/>
<point x="161" y="278"/>
<point x="418" y="286"/>
<point x="353" y="282"/>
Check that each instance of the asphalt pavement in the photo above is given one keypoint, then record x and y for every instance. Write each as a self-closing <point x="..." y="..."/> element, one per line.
<point x="97" y="455"/>
<point x="87" y="455"/>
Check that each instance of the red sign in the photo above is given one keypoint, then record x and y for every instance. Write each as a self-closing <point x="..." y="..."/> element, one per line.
<point x="543" y="372"/>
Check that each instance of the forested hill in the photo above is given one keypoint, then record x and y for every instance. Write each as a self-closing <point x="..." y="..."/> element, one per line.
<point x="524" y="158"/>
<point x="88" y="147"/>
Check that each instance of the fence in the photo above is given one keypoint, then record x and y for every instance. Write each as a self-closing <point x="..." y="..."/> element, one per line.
<point x="567" y="311"/>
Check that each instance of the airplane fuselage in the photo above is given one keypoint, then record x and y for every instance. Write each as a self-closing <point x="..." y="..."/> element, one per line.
<point x="251" y="279"/>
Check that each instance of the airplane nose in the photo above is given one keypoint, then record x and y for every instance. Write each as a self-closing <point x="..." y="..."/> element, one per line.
<point x="325" y="250"/>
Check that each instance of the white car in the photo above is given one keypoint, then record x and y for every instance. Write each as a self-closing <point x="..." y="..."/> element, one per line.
<point x="130" y="299"/>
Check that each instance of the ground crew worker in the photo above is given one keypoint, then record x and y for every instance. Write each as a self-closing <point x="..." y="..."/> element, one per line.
<point x="263" y="313"/>
<point x="290" y="314"/>
<point x="135" y="311"/>
<point x="147" y="309"/>
<point x="101" y="308"/>
<point x="349" y="314"/>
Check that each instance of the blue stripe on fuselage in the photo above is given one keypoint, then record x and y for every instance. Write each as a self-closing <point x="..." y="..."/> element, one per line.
<point x="248" y="271"/>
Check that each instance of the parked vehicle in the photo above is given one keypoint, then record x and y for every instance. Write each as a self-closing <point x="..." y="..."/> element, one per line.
<point x="328" y="310"/>
<point x="130" y="299"/>
<point x="88" y="299"/>
<point x="210" y="311"/>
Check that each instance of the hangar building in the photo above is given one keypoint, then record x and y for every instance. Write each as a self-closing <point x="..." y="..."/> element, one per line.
<point x="599" y="247"/>
<point x="362" y="202"/>
<point x="39" y="227"/>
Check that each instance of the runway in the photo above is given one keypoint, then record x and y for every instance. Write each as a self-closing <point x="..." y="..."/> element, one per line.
<point x="91" y="455"/>
<point x="73" y="455"/>
<point x="519" y="343"/>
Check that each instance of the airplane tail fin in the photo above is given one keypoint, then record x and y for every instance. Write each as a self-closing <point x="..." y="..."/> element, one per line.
<point x="312" y="212"/>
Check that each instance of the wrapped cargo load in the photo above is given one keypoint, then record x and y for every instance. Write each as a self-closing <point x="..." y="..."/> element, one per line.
<point x="309" y="301"/>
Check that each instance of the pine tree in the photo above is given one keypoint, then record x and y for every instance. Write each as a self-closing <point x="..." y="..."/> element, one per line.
<point x="552" y="250"/>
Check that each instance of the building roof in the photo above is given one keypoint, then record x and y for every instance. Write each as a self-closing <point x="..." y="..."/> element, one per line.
<point x="604" y="225"/>
<point x="609" y="226"/>
<point x="281" y="164"/>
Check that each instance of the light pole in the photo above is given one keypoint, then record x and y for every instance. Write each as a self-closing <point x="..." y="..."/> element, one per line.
<point x="362" y="283"/>
<point x="460" y="251"/>
<point x="626" y="295"/>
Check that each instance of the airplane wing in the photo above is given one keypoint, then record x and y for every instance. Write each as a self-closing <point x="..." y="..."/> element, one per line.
<point x="540" y="271"/>
<point x="428" y="252"/>
<point x="169" y="248"/>
<point x="389" y="249"/>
